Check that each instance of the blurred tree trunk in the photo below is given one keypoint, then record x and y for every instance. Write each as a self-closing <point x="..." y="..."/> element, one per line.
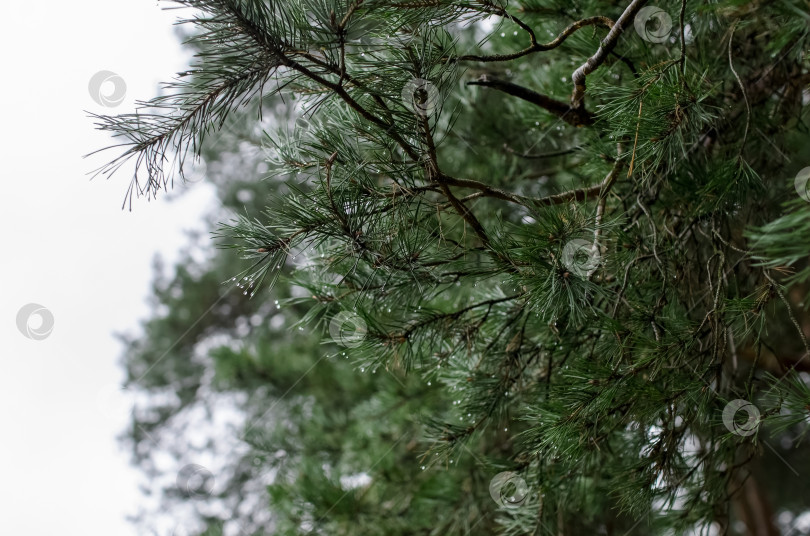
<point x="754" y="509"/>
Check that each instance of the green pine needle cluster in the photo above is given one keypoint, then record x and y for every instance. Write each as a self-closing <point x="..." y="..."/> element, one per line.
<point x="591" y="267"/>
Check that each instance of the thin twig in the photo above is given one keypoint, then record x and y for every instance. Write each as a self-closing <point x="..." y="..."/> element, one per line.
<point x="540" y="47"/>
<point x="607" y="45"/>
<point x="606" y="185"/>
<point x="742" y="88"/>
<point x="576" y="117"/>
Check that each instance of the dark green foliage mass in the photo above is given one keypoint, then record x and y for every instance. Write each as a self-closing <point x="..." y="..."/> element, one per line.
<point x="557" y="252"/>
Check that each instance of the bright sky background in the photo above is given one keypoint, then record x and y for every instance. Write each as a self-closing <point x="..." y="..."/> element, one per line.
<point x="68" y="246"/>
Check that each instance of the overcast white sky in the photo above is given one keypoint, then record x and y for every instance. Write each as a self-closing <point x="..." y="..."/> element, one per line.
<point x="67" y="245"/>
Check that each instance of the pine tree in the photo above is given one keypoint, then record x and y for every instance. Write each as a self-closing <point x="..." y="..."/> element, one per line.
<point x="576" y="221"/>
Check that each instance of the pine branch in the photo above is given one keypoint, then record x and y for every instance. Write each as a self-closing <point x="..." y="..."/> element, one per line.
<point x="605" y="47"/>
<point x="577" y="117"/>
<point x="541" y="47"/>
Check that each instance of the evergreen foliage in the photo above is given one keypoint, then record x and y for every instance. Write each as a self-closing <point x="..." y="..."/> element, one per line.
<point x="572" y="249"/>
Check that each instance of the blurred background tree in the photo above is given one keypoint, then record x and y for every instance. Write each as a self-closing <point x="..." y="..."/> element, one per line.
<point x="554" y="248"/>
